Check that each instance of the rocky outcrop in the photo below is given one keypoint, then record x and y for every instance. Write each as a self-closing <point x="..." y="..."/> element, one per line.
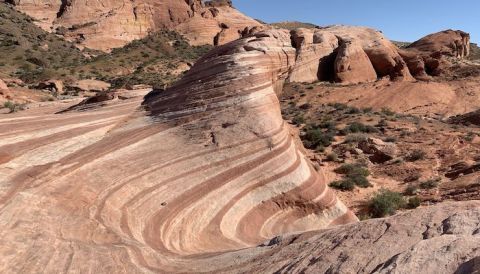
<point x="377" y="150"/>
<point x="352" y="65"/>
<point x="317" y="50"/>
<point x="454" y="43"/>
<point x="438" y="239"/>
<point x="315" y="58"/>
<point x="89" y="85"/>
<point x="432" y="54"/>
<point x="51" y="85"/>
<point x="109" y="24"/>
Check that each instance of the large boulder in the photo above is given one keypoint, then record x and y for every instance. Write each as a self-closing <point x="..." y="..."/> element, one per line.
<point x="378" y="150"/>
<point x="352" y="64"/>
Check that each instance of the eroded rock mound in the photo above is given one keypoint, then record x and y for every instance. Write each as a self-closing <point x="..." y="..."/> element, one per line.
<point x="109" y="24"/>
<point x="352" y="64"/>
<point x="317" y="50"/>
<point x="433" y="54"/>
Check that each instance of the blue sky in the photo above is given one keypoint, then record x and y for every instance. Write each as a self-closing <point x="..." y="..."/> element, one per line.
<point x="403" y="20"/>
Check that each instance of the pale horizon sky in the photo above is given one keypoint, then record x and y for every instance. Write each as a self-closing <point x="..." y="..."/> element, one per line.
<point x="406" y="20"/>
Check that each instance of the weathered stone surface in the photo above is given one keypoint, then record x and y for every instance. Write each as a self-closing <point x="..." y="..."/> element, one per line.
<point x="378" y="150"/>
<point x="352" y="64"/>
<point x="316" y="52"/>
<point x="90" y="85"/>
<point x="438" y="239"/>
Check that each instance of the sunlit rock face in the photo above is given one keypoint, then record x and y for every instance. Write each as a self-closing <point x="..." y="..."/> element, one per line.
<point x="105" y="25"/>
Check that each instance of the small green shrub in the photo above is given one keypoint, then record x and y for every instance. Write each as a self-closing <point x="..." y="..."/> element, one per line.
<point x="414" y="202"/>
<point x="386" y="203"/>
<point x="332" y="157"/>
<point x="356" y="138"/>
<point x="298" y="120"/>
<point x="317" y="138"/>
<point x="416" y="155"/>
<point x="13" y="107"/>
<point x="411" y="190"/>
<point x="429" y="184"/>
<point x="387" y="111"/>
<point x="344" y="185"/>
<point x="352" y="170"/>
<point x="357" y="127"/>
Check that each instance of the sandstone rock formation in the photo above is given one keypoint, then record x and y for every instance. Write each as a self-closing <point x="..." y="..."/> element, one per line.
<point x="109" y="24"/>
<point x="318" y="48"/>
<point x="430" y="55"/>
<point x="90" y="85"/>
<point x="211" y="168"/>
<point x="437" y="239"/>
<point x="352" y="64"/>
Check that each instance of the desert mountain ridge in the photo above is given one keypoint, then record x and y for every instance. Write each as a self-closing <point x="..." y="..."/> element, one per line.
<point x="112" y="24"/>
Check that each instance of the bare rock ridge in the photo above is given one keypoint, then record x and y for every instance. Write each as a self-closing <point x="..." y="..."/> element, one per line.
<point x="110" y="24"/>
<point x="335" y="54"/>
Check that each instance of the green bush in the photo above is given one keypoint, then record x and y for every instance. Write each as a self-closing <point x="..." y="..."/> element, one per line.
<point x="13" y="107"/>
<point x="352" y="170"/>
<point x="386" y="203"/>
<point x="387" y="111"/>
<point x="429" y="184"/>
<point x="356" y="138"/>
<point x="411" y="190"/>
<point x="298" y="120"/>
<point x="354" y="175"/>
<point x="357" y="127"/>
<point x="316" y="137"/>
<point x="344" y="185"/>
<point x="332" y="157"/>
<point x="414" y="202"/>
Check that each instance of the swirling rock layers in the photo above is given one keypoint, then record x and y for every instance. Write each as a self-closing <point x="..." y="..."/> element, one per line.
<point x="210" y="168"/>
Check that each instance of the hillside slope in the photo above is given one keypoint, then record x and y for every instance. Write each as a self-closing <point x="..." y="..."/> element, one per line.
<point x="112" y="24"/>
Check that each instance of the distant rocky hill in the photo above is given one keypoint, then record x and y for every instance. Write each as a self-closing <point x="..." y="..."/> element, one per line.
<point x="105" y="25"/>
<point x="292" y="25"/>
<point x="33" y="55"/>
